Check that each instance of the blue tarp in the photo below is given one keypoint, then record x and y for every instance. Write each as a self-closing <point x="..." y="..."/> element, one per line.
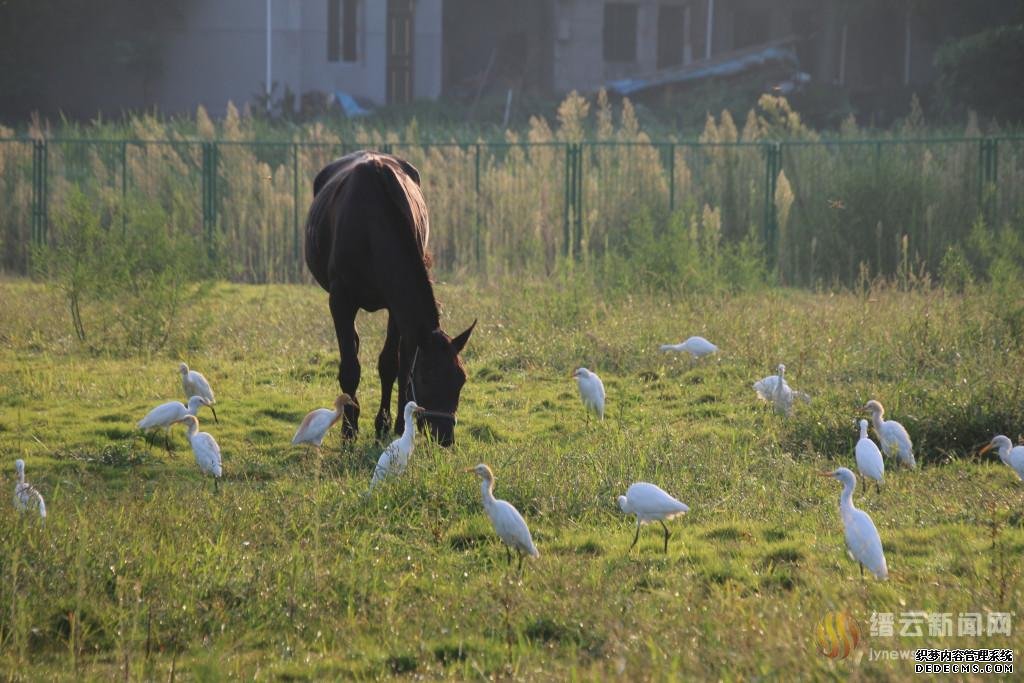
<point x="778" y="54"/>
<point x="349" y="105"/>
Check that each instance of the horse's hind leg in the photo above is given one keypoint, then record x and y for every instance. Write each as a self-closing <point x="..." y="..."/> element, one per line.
<point x="387" y="367"/>
<point x="343" y="312"/>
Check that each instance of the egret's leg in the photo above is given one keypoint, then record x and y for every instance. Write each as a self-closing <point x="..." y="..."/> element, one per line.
<point x="878" y="487"/>
<point x="508" y="556"/>
<point x="215" y="487"/>
<point x="861" y="570"/>
<point x="667" y="534"/>
<point x="636" y="536"/>
<point x="519" y="569"/>
<point x="167" y="439"/>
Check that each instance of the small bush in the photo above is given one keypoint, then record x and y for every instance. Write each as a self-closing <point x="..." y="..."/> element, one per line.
<point x="129" y="280"/>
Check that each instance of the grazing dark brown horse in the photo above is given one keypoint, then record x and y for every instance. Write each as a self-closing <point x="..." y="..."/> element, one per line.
<point x="366" y="244"/>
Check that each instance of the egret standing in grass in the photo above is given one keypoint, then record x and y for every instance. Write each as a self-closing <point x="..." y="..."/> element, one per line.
<point x="765" y="387"/>
<point x="861" y="535"/>
<point x="650" y="503"/>
<point x="205" y="447"/>
<point x="395" y="457"/>
<point x="869" y="458"/>
<point x="891" y="435"/>
<point x="166" y="414"/>
<point x="25" y="494"/>
<point x="775" y="390"/>
<point x="506" y="520"/>
<point x="195" y="384"/>
<point x="591" y="392"/>
<point x="318" y="422"/>
<point x="1008" y="453"/>
<point x="698" y="347"/>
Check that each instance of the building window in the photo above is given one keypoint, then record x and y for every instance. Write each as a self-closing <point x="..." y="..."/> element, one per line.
<point x="342" y="30"/>
<point x="620" y="32"/>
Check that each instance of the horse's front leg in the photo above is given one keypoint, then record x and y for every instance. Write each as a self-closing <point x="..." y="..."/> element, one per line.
<point x="387" y="367"/>
<point x="405" y="358"/>
<point x="343" y="311"/>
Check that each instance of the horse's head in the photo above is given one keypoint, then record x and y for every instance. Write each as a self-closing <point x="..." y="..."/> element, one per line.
<point x="437" y="378"/>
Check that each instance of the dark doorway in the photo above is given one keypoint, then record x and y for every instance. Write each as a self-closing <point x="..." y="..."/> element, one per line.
<point x="399" y="71"/>
<point x="671" y="35"/>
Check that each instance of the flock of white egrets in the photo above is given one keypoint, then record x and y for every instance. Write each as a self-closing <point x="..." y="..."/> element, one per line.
<point x="650" y="503"/>
<point x="646" y="501"/>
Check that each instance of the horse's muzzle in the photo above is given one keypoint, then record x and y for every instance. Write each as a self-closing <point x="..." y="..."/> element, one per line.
<point x="441" y="426"/>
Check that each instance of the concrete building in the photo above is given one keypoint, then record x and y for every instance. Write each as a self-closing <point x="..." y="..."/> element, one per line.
<point x="395" y="51"/>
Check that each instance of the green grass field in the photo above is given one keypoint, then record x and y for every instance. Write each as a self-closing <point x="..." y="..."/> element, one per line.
<point x="141" y="572"/>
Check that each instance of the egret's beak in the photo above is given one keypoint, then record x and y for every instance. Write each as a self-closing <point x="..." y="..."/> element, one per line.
<point x="419" y="410"/>
<point x="470" y="469"/>
<point x="987" y="448"/>
<point x="825" y="474"/>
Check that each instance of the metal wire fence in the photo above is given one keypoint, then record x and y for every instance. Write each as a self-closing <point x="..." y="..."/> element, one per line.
<point x="822" y="209"/>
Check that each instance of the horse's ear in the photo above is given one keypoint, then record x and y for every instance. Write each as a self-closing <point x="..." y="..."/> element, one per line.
<point x="458" y="343"/>
<point x="410" y="170"/>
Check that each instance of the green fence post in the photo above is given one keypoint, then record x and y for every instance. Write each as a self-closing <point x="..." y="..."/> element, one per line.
<point x="124" y="186"/>
<point x="476" y="202"/>
<point x="579" y="200"/>
<point x="39" y="191"/>
<point x="566" y="240"/>
<point x="773" y="164"/>
<point x="988" y="171"/>
<point x="671" y="177"/>
<point x="296" y="265"/>
<point x="209" y="194"/>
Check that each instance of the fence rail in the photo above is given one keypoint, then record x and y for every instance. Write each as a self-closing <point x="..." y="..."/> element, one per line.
<point x="821" y="208"/>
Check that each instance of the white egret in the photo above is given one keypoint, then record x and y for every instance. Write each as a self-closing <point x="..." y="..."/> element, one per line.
<point x="591" y="391"/>
<point x="1008" y="453"/>
<point x="861" y="535"/>
<point x="166" y="414"/>
<point x="205" y="447"/>
<point x="765" y="387"/>
<point x="650" y="503"/>
<point x="697" y="347"/>
<point x="869" y="458"/>
<point x="318" y="422"/>
<point x="777" y="391"/>
<point x="891" y="435"/>
<point x="25" y="494"/>
<point x="506" y="520"/>
<point x="396" y="456"/>
<point x="195" y="384"/>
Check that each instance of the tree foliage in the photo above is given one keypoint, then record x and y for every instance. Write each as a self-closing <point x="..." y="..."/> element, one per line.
<point x="983" y="71"/>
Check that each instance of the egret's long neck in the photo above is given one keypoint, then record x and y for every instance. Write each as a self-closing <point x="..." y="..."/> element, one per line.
<point x="876" y="420"/>
<point x="487" y="489"/>
<point x="409" y="431"/>
<point x="193" y="427"/>
<point x="1004" y="454"/>
<point x="864" y="430"/>
<point x="846" y="497"/>
<point x="21" y="476"/>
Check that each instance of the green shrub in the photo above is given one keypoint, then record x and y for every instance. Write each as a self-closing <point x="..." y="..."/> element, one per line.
<point x="130" y="282"/>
